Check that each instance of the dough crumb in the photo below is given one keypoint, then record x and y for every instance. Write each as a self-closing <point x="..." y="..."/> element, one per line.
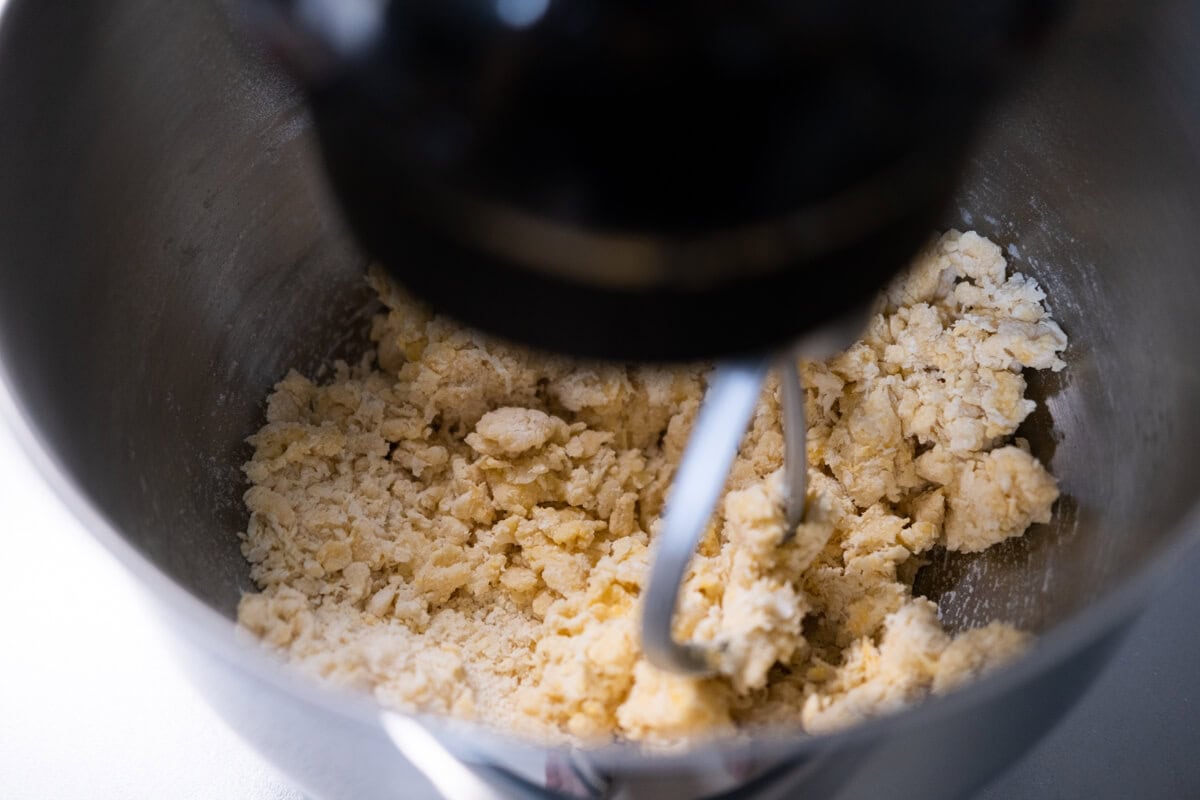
<point x="463" y="527"/>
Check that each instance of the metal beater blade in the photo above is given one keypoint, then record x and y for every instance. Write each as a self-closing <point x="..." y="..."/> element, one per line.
<point x="733" y="392"/>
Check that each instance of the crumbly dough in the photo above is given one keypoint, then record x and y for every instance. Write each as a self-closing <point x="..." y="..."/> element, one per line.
<point x="462" y="527"/>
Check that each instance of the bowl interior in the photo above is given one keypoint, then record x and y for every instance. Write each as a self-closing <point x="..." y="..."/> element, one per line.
<point x="168" y="251"/>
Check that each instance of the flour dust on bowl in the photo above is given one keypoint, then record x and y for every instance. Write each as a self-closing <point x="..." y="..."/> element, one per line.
<point x="169" y="253"/>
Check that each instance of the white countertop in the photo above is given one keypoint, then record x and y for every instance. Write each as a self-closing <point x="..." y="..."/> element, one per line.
<point x="92" y="706"/>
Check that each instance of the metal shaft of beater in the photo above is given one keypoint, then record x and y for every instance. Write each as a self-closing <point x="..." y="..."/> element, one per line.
<point x="733" y="392"/>
<point x="795" y="444"/>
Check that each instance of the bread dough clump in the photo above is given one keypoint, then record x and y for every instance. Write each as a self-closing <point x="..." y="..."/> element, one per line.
<point x="463" y="527"/>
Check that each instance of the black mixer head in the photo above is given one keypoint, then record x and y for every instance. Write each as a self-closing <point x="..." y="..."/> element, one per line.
<point x="646" y="180"/>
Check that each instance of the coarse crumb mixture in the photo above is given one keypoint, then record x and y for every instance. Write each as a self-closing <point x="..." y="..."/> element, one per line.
<point x="463" y="527"/>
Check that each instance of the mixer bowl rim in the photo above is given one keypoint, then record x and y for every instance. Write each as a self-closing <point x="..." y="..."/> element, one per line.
<point x="220" y="636"/>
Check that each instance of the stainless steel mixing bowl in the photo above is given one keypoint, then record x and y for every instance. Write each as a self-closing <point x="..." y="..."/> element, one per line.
<point x="167" y="251"/>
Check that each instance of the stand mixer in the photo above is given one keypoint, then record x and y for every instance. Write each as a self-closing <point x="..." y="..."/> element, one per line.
<point x="653" y="181"/>
<point x="169" y="252"/>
